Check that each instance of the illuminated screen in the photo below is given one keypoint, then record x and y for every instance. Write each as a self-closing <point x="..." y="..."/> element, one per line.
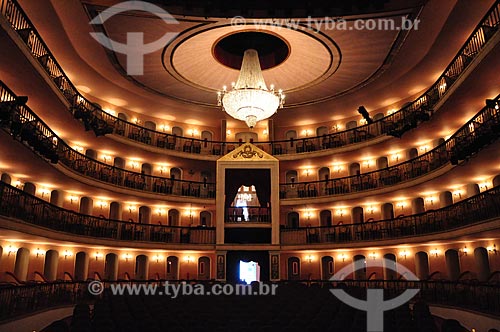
<point x="249" y="271"/>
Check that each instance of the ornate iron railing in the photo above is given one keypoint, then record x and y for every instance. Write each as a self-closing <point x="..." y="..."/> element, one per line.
<point x="480" y="131"/>
<point x="15" y="203"/>
<point x="475" y="209"/>
<point x="395" y="124"/>
<point x="26" y="126"/>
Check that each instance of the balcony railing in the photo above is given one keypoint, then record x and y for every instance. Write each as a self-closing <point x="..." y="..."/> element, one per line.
<point x="467" y="212"/>
<point x="482" y="130"/>
<point x="21" y="300"/>
<point x="395" y="124"/>
<point x="15" y="203"/>
<point x="22" y="123"/>
<point x="249" y="214"/>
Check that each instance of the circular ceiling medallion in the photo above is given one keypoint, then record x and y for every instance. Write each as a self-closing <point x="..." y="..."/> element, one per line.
<point x="272" y="50"/>
<point x="209" y="57"/>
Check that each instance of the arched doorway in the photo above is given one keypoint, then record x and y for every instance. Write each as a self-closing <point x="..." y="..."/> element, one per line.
<point x="390" y="267"/>
<point x="141" y="267"/>
<point x="452" y="264"/>
<point x="204" y="268"/>
<point x="22" y="264"/>
<point x="205" y="218"/>
<point x="422" y="265"/>
<point x="325" y="218"/>
<point x="359" y="267"/>
<point x="387" y="211"/>
<point x="172" y="268"/>
<point x="293" y="268"/>
<point x="111" y="267"/>
<point x="327" y="267"/>
<point x="81" y="266"/>
<point x="482" y="264"/>
<point x="173" y="217"/>
<point x="357" y="215"/>
<point x="50" y="265"/>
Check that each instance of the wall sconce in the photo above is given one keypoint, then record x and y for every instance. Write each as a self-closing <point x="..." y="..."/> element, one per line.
<point x="106" y="158"/>
<point x="160" y="212"/>
<point x="337" y="168"/>
<point x="17" y="184"/>
<point x="44" y="192"/>
<point x="188" y="259"/>
<point x="193" y="132"/>
<point x="392" y="111"/>
<point x="483" y="186"/>
<point x="307" y="171"/>
<point x="162" y="169"/>
<point x="403" y="254"/>
<point x="310" y="258"/>
<point x="136" y="121"/>
<point x="464" y="251"/>
<point x="97" y="255"/>
<point x="434" y="252"/>
<point x="335" y="128"/>
<point x="67" y="254"/>
<point x="395" y="157"/>
<point x="362" y="122"/>
<point x="39" y="252"/>
<point x="367" y="163"/>
<point x="342" y="257"/>
<point x="423" y="148"/>
<point x="10" y="250"/>
<point x="458" y="193"/>
<point x="492" y="249"/>
<point x="373" y="255"/>
<point x="340" y="213"/>
<point x="102" y="204"/>
<point x="134" y="164"/>
<point x="430" y="200"/>
<point x="72" y="199"/>
<point x="370" y="209"/>
<point x="126" y="257"/>
<point x="78" y="148"/>
<point x="265" y="132"/>
<point x="228" y="132"/>
<point x="158" y="258"/>
<point x="306" y="132"/>
<point x="400" y="205"/>
<point x="164" y="128"/>
<point x="132" y="208"/>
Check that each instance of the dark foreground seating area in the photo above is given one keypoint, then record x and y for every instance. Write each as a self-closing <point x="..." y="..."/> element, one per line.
<point x="294" y="308"/>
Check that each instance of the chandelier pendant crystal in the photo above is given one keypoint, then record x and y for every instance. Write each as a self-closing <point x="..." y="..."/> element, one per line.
<point x="249" y="99"/>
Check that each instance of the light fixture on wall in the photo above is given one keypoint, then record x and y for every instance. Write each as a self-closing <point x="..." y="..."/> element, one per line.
<point x="132" y="208"/>
<point x="434" y="252"/>
<point x="10" y="250"/>
<point x="97" y="255"/>
<point x="72" y="198"/>
<point x="158" y="258"/>
<point x="343" y="257"/>
<point x="67" y="254"/>
<point x="403" y="254"/>
<point x="492" y="249"/>
<point x="250" y="100"/>
<point x="463" y="251"/>
<point x="188" y="259"/>
<point x="126" y="257"/>
<point x="309" y="258"/>
<point x="39" y="252"/>
<point x="373" y="255"/>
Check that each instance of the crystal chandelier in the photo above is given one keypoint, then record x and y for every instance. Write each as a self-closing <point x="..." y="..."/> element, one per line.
<point x="250" y="100"/>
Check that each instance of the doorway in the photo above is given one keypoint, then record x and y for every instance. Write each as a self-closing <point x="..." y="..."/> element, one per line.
<point x="233" y="259"/>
